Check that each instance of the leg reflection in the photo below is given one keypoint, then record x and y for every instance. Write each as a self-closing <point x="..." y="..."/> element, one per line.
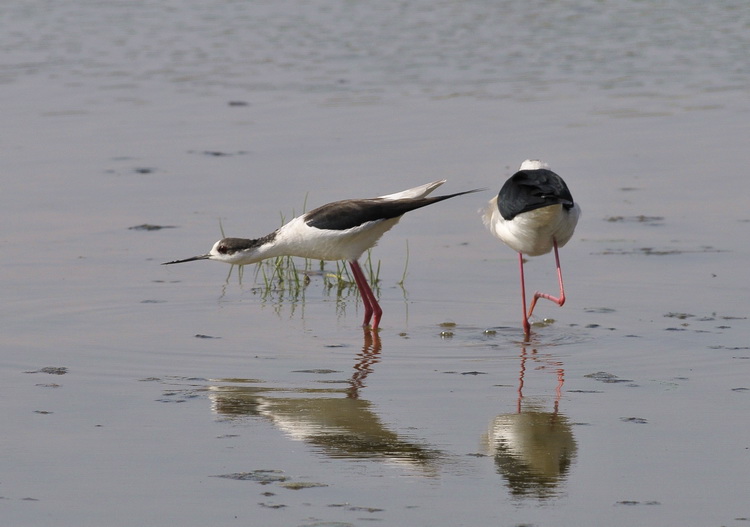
<point x="367" y="358"/>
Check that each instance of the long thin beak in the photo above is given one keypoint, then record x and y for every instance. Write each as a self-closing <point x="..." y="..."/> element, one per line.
<point x="201" y="257"/>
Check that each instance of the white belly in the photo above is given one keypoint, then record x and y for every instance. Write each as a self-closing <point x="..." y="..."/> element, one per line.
<point x="322" y="244"/>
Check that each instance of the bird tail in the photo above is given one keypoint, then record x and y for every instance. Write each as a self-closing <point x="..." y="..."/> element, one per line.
<point x="402" y="206"/>
<point x="435" y="199"/>
<point x="416" y="192"/>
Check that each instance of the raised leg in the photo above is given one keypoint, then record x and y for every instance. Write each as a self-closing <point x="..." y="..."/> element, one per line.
<point x="372" y="308"/>
<point x="557" y="300"/>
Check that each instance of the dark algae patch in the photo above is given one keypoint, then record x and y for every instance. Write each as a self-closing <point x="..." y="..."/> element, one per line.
<point x="264" y="477"/>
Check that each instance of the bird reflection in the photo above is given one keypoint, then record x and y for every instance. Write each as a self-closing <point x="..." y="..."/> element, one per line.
<point x="337" y="421"/>
<point x="533" y="448"/>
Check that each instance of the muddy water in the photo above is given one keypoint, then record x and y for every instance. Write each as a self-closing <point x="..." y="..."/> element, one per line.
<point x="136" y="393"/>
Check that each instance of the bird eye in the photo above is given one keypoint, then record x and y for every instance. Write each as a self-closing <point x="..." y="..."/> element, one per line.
<point x="222" y="249"/>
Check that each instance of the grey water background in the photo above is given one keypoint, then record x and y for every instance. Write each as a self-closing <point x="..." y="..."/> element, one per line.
<point x="139" y="394"/>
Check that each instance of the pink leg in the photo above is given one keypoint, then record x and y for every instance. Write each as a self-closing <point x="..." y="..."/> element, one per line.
<point x="372" y="308"/>
<point x="557" y="300"/>
<point x="359" y="278"/>
<point x="526" y="325"/>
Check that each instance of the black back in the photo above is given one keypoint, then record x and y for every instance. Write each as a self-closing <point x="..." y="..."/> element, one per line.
<point x="530" y="190"/>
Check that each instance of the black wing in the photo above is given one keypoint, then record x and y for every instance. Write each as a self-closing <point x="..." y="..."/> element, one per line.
<point x="347" y="214"/>
<point x="532" y="189"/>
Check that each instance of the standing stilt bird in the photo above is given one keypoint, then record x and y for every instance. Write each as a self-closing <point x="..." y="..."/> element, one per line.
<point x="341" y="230"/>
<point x="533" y="213"/>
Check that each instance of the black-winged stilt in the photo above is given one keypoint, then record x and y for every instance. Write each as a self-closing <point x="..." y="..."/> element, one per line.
<point x="533" y="213"/>
<point x="341" y="230"/>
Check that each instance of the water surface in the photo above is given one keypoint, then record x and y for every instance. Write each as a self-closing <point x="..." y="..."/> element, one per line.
<point x="136" y="393"/>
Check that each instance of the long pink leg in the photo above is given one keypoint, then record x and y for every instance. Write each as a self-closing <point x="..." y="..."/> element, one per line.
<point x="359" y="279"/>
<point x="557" y="300"/>
<point x="372" y="308"/>
<point x="526" y="325"/>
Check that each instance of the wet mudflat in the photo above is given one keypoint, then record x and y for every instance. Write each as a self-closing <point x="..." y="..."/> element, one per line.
<point x="137" y="393"/>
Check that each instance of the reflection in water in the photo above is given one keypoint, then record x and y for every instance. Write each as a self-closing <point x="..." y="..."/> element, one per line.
<point x="533" y="449"/>
<point x="335" y="420"/>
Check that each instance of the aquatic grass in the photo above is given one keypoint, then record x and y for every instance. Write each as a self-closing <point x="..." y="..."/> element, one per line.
<point x="406" y="266"/>
<point x="286" y="274"/>
<point x="373" y="272"/>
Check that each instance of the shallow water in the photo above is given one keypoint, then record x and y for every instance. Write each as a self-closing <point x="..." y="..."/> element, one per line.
<point x="136" y="393"/>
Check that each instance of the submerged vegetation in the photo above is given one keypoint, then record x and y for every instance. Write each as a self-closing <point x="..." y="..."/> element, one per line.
<point x="286" y="275"/>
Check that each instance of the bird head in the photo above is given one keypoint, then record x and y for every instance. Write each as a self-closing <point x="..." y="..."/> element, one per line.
<point x="237" y="251"/>
<point x="533" y="164"/>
